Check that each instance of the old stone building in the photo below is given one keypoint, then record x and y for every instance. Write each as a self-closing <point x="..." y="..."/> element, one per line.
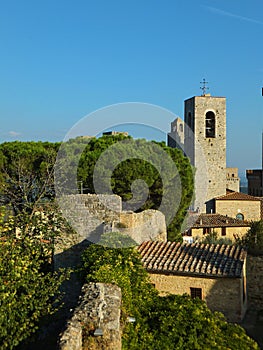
<point x="214" y="273"/>
<point x="239" y="205"/>
<point x="205" y="117"/>
<point x="223" y="225"/>
<point x="232" y="179"/>
<point x="202" y="137"/>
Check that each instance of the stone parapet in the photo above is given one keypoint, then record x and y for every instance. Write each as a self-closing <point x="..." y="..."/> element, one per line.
<point x="98" y="309"/>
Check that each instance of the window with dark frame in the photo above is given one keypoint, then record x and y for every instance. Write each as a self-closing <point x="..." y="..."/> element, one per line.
<point x="223" y="231"/>
<point x="196" y="292"/>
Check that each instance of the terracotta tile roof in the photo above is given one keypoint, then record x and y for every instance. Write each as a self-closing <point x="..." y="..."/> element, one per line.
<point x="212" y="260"/>
<point x="237" y="196"/>
<point x="218" y="220"/>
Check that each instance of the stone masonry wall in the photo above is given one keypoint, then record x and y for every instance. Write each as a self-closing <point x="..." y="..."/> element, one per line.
<point x="231" y="232"/>
<point x="92" y="215"/>
<point x="99" y="308"/>
<point x="250" y="209"/>
<point x="87" y="212"/>
<point x="220" y="294"/>
<point x="147" y="225"/>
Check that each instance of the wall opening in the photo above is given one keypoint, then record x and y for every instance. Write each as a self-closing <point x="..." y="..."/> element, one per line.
<point x="210" y="121"/>
<point x="196" y="292"/>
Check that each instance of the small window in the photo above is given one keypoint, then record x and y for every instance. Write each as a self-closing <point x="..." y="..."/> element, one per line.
<point x="189" y="232"/>
<point x="210" y="125"/>
<point x="196" y="293"/>
<point x="223" y="231"/>
<point x="240" y="216"/>
<point x="206" y="230"/>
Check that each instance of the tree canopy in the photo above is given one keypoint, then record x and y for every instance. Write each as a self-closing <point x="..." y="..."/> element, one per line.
<point x="165" y="172"/>
<point x="26" y="173"/>
<point x="147" y="175"/>
<point x="29" y="290"/>
<point x="253" y="239"/>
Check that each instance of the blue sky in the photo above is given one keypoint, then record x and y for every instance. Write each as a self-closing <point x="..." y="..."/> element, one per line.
<point x="61" y="60"/>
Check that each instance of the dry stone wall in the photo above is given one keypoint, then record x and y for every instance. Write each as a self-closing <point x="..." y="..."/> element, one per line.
<point x="99" y="308"/>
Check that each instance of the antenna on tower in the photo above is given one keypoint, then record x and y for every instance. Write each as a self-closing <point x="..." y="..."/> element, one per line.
<point x="204" y="87"/>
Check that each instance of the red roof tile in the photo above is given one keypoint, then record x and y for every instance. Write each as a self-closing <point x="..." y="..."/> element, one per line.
<point x="237" y="196"/>
<point x="192" y="259"/>
<point x="218" y="220"/>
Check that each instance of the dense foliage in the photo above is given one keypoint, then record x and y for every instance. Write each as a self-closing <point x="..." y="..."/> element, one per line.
<point x="29" y="290"/>
<point x="26" y="173"/>
<point x="121" y="266"/>
<point x="148" y="165"/>
<point x="162" y="323"/>
<point x="212" y="238"/>
<point x="253" y="239"/>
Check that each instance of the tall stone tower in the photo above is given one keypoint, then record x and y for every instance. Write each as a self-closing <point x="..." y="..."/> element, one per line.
<point x="205" y="144"/>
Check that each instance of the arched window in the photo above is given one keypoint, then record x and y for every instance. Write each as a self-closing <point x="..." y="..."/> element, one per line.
<point x="210" y="124"/>
<point x="240" y="216"/>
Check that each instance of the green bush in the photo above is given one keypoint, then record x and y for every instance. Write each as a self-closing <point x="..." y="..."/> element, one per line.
<point x="253" y="239"/>
<point x="27" y="291"/>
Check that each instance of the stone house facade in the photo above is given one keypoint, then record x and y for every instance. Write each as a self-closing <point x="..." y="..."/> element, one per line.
<point x="223" y="225"/>
<point x="214" y="273"/>
<point x="239" y="205"/>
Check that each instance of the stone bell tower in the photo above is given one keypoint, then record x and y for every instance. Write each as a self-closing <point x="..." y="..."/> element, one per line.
<point x="205" y="144"/>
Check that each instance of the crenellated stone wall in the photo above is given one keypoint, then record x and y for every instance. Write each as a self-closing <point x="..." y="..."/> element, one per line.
<point x="98" y="309"/>
<point x="92" y="215"/>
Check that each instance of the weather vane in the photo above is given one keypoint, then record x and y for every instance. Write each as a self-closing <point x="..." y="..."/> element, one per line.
<point x="204" y="87"/>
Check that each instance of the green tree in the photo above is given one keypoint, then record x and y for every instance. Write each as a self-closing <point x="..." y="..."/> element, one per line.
<point x="121" y="266"/>
<point x="26" y="173"/>
<point x="149" y="165"/>
<point x="29" y="290"/>
<point x="253" y="239"/>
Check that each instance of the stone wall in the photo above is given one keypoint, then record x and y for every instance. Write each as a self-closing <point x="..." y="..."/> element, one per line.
<point x="250" y="209"/>
<point x="220" y="294"/>
<point x="255" y="282"/>
<point x="92" y="215"/>
<point x="99" y="308"/>
<point x="231" y="232"/>
<point x="147" y="225"/>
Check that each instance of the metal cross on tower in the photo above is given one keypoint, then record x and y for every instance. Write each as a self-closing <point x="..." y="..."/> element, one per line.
<point x="204" y="87"/>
